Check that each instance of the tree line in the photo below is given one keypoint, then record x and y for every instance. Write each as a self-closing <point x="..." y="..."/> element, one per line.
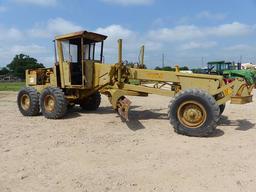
<point x="167" y="68"/>
<point x="19" y="65"/>
<point x="22" y="62"/>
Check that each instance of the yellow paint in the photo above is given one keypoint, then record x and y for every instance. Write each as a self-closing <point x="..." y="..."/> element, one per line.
<point x="228" y="91"/>
<point x="154" y="75"/>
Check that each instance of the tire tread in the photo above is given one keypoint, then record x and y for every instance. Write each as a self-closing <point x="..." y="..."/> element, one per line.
<point x="61" y="103"/>
<point x="208" y="129"/>
<point x="34" y="101"/>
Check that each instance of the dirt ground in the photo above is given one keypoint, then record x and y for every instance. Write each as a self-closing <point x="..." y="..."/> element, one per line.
<point x="94" y="152"/>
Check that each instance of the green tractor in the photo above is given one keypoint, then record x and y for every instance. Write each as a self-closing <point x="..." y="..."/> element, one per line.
<point x="231" y="71"/>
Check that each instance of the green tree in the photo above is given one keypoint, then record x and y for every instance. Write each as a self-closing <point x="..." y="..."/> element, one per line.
<point x="134" y="65"/>
<point x="185" y="68"/>
<point x="21" y="63"/>
<point x="4" y="71"/>
<point x="167" y="68"/>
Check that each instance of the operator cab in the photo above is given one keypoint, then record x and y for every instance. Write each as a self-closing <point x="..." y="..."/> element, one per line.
<point x="218" y="67"/>
<point x="77" y="53"/>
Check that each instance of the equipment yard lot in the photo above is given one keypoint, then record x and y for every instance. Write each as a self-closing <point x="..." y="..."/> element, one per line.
<point x="96" y="151"/>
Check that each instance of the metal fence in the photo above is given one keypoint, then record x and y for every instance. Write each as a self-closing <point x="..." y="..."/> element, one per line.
<point x="9" y="78"/>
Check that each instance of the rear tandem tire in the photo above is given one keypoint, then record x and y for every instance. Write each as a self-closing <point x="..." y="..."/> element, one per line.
<point x="28" y="101"/>
<point x="92" y="102"/>
<point x="194" y="112"/>
<point x="53" y="103"/>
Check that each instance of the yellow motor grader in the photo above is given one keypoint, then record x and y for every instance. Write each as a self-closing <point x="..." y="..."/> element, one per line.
<point x="79" y="76"/>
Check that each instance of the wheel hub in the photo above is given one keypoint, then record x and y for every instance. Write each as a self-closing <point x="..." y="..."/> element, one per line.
<point x="49" y="103"/>
<point x="192" y="114"/>
<point x="25" y="102"/>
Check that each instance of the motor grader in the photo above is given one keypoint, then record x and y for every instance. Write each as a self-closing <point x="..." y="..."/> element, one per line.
<point x="79" y="76"/>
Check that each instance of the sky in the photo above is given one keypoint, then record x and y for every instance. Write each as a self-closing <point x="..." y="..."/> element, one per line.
<point x="187" y="32"/>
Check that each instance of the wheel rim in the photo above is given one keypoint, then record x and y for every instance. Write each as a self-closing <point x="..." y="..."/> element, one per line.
<point x="25" y="102"/>
<point x="49" y="103"/>
<point x="192" y="114"/>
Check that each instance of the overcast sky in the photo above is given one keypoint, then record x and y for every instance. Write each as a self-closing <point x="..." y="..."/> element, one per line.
<point x="184" y="30"/>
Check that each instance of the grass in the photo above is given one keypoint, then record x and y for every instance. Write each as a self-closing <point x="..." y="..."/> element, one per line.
<point x="11" y="86"/>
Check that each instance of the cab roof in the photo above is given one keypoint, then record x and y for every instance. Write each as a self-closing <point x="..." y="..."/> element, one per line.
<point x="85" y="34"/>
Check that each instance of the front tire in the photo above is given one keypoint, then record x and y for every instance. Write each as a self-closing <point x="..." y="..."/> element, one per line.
<point x="28" y="101"/>
<point x="194" y="112"/>
<point x="53" y="103"/>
